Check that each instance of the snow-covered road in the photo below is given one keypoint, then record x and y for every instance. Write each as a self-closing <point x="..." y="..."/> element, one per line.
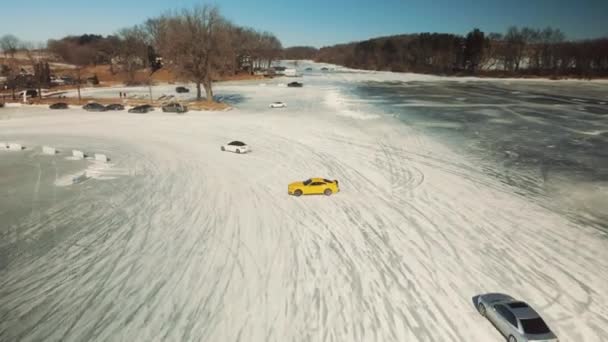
<point x="188" y="243"/>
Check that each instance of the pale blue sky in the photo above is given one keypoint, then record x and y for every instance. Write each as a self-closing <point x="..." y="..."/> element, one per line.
<point x="313" y="22"/>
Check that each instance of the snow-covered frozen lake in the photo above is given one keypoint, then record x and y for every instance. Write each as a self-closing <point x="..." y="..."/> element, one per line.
<point x="449" y="189"/>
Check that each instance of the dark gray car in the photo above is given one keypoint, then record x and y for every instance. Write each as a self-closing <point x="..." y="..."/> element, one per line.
<point x="59" y="105"/>
<point x="515" y="319"/>
<point x="94" y="107"/>
<point x="140" y="109"/>
<point x="174" y="107"/>
<point x="115" y="106"/>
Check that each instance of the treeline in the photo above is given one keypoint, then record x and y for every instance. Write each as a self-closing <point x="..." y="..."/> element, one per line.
<point x="523" y="51"/>
<point x="13" y="74"/>
<point x="299" y="52"/>
<point x="198" y="44"/>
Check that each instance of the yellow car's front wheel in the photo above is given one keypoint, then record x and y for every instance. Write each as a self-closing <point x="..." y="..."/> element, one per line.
<point x="327" y="192"/>
<point x="297" y="193"/>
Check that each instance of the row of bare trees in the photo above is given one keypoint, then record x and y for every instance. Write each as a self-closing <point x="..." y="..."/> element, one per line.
<point x="200" y="45"/>
<point x="9" y="44"/>
<point x="16" y="55"/>
<point x="524" y="51"/>
<point x="197" y="44"/>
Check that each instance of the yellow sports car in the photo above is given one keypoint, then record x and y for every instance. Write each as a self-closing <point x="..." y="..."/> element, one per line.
<point x="313" y="186"/>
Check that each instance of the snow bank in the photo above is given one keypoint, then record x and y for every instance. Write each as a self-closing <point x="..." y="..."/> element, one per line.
<point x="358" y="75"/>
<point x="78" y="154"/>
<point x="49" y="150"/>
<point x="101" y="157"/>
<point x="15" y="147"/>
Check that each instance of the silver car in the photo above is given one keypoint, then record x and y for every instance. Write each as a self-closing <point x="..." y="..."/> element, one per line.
<point x="516" y="320"/>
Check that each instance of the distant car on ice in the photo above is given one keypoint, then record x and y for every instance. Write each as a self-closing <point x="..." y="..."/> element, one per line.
<point x="278" y="105"/>
<point x="115" y="106"/>
<point x="314" y="186"/>
<point x="236" y="147"/>
<point x="295" y="85"/>
<point x="94" y="107"/>
<point x="141" y="109"/>
<point x="308" y="69"/>
<point x="59" y="105"/>
<point x="516" y="320"/>
<point x="181" y="90"/>
<point x="174" y="107"/>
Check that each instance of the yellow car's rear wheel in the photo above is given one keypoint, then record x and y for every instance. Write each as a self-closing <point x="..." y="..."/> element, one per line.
<point x="327" y="192"/>
<point x="297" y="193"/>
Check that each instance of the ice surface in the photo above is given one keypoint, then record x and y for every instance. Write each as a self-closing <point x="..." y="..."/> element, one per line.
<point x="182" y="242"/>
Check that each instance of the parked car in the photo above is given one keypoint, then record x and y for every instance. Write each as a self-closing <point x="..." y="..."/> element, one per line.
<point x="236" y="147"/>
<point x="278" y="105"/>
<point x="115" y="106"/>
<point x="295" y="84"/>
<point x="59" y="105"/>
<point x="324" y="69"/>
<point x="94" y="107"/>
<point x="314" y="186"/>
<point x="514" y="319"/>
<point x="174" y="107"/>
<point x="29" y="93"/>
<point x="181" y="90"/>
<point x="308" y="69"/>
<point x="140" y="109"/>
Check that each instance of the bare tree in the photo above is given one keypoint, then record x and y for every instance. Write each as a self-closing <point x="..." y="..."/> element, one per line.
<point x="473" y="49"/>
<point x="77" y="55"/>
<point x="10" y="45"/>
<point x="132" y="50"/>
<point x="189" y="41"/>
<point x="37" y="57"/>
<point x="492" y="51"/>
<point x="514" y="51"/>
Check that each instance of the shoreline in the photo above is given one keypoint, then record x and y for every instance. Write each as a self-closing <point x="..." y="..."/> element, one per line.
<point x="466" y="77"/>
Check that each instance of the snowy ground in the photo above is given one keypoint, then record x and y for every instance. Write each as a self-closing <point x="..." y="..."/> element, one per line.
<point x="175" y="240"/>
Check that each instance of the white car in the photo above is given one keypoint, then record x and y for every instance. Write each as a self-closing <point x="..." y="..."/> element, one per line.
<point x="236" y="147"/>
<point x="278" y="105"/>
<point x="515" y="319"/>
